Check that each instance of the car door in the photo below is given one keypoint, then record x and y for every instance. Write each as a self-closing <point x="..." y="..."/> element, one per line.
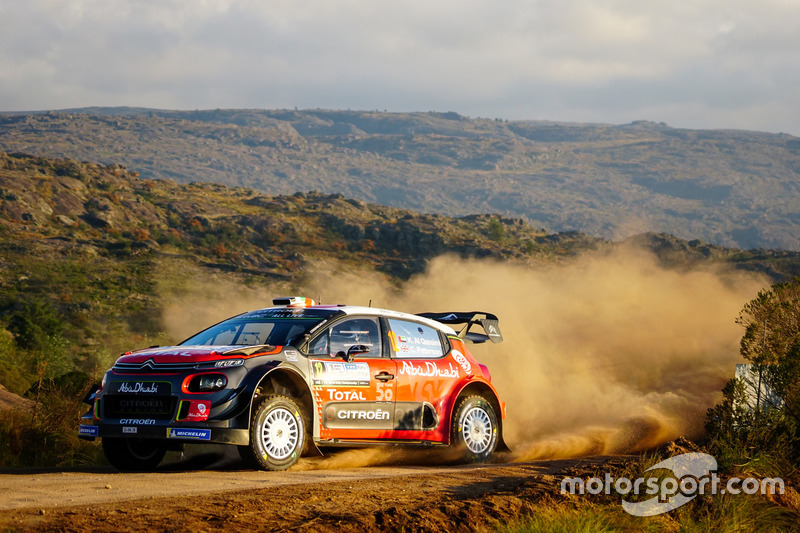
<point x="425" y="379"/>
<point x="354" y="398"/>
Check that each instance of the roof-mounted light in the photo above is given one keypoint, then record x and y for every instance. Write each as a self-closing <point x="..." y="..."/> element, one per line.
<point x="294" y="301"/>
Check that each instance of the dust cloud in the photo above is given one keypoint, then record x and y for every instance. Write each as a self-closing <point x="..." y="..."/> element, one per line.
<point x="607" y="353"/>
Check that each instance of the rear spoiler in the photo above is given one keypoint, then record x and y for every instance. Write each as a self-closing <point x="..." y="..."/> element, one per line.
<point x="489" y="323"/>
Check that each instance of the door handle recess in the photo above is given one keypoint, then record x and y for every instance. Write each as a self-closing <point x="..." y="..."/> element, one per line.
<point x="384" y="376"/>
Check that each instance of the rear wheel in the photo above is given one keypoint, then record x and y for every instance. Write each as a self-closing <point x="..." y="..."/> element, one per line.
<point x="475" y="428"/>
<point x="277" y="434"/>
<point x="133" y="455"/>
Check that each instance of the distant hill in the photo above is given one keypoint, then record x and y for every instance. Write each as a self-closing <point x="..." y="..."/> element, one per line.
<point x="732" y="188"/>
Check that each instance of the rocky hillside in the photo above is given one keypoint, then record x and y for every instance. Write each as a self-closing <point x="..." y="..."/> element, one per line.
<point x="90" y="254"/>
<point x="65" y="203"/>
<point x="732" y="188"/>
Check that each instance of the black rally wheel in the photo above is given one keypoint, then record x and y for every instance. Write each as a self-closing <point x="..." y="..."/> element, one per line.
<point x="133" y="455"/>
<point x="277" y="434"/>
<point x="475" y="428"/>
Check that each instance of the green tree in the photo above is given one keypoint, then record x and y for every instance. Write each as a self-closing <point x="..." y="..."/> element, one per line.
<point x="34" y="324"/>
<point x="772" y="340"/>
<point x="37" y="329"/>
<point x="772" y="323"/>
<point x="739" y="433"/>
<point x="497" y="232"/>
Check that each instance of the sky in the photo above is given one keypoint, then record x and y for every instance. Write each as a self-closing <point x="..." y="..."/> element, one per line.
<point x="688" y="63"/>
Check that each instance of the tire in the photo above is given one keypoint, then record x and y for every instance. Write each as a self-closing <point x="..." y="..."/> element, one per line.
<point x="133" y="455"/>
<point x="277" y="434"/>
<point x="475" y="429"/>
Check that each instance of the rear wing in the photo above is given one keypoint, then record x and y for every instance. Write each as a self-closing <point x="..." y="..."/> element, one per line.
<point x="487" y="321"/>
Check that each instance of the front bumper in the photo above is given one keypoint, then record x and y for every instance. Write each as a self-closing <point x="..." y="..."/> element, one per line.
<point x="159" y="406"/>
<point x="89" y="430"/>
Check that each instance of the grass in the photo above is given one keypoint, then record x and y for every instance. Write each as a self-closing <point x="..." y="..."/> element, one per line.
<point x="583" y="517"/>
<point x="46" y="436"/>
<point x="727" y="513"/>
<point x="722" y="513"/>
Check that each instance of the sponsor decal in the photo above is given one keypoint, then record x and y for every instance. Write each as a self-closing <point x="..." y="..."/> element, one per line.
<point x="229" y="363"/>
<point x="89" y="431"/>
<point x="291" y="355"/>
<point x="357" y="416"/>
<point x="198" y="410"/>
<point x="141" y="406"/>
<point x="140" y="387"/>
<point x="137" y="421"/>
<point x="128" y="429"/>
<point x="347" y="395"/>
<point x="362" y="414"/>
<point x="136" y="388"/>
<point x="192" y="434"/>
<point x="340" y="374"/>
<point x="428" y="369"/>
<point x="461" y="360"/>
<point x="296" y="312"/>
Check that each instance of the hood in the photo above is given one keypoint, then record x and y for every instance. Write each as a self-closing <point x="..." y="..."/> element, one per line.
<point x="196" y="354"/>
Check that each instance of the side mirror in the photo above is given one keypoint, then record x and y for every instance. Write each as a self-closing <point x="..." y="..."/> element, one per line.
<point x="352" y="352"/>
<point x="90" y="395"/>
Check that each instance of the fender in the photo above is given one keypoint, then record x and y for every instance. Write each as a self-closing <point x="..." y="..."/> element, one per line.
<point x="479" y="386"/>
<point x="286" y="379"/>
<point x="247" y="391"/>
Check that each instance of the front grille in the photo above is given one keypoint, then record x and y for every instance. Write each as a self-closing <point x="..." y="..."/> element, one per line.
<point x="127" y="406"/>
<point x="150" y="366"/>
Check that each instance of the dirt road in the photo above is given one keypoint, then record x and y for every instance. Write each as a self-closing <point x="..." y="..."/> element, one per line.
<point x="324" y="495"/>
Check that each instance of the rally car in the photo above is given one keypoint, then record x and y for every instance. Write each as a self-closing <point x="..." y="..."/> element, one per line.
<point x="298" y="378"/>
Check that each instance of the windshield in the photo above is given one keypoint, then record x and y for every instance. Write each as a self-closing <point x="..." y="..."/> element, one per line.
<point x="248" y="331"/>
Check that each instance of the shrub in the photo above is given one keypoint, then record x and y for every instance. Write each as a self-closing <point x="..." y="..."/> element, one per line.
<point x="47" y="434"/>
<point x="764" y="439"/>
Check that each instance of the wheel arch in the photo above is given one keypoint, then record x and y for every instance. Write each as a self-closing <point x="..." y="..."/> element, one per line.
<point x="286" y="381"/>
<point x="480" y="388"/>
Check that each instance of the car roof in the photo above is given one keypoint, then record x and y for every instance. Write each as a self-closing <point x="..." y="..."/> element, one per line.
<point x="374" y="311"/>
<point x="362" y="311"/>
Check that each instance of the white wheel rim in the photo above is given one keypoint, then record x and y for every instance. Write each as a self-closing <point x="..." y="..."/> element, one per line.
<point x="280" y="433"/>
<point x="477" y="430"/>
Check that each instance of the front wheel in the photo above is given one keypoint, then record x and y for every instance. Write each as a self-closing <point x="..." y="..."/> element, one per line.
<point x="475" y="428"/>
<point x="277" y="434"/>
<point x="133" y="455"/>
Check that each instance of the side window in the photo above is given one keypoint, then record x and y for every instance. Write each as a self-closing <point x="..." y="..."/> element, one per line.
<point x="341" y="336"/>
<point x="352" y="331"/>
<point x="319" y="346"/>
<point x="411" y="340"/>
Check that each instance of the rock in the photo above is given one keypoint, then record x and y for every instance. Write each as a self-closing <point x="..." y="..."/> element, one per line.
<point x="64" y="219"/>
<point x="9" y="400"/>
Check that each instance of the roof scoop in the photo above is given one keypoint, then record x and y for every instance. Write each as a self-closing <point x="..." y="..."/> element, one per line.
<point x="294" y="301"/>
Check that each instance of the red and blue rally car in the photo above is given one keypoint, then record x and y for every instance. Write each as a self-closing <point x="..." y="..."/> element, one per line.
<point x="287" y="380"/>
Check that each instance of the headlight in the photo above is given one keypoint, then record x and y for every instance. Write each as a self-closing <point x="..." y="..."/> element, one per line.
<point x="206" y="383"/>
